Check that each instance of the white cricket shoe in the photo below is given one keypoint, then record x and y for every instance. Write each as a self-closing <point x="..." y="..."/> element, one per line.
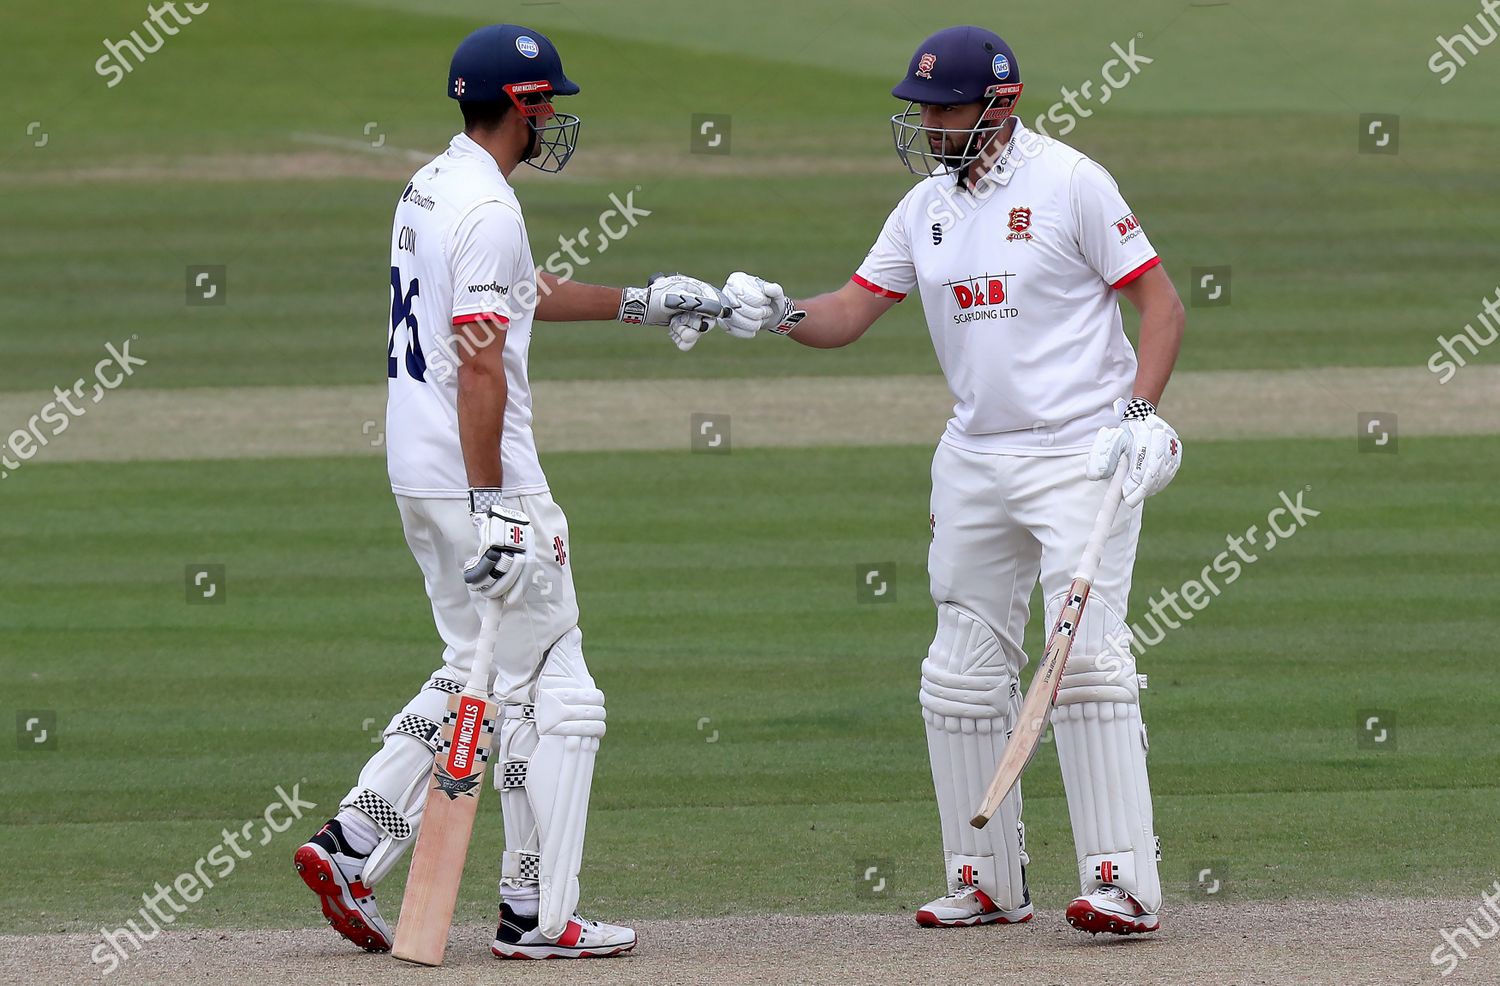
<point x="1111" y="909"/>
<point x="968" y="906"/>
<point x="333" y="871"/>
<point x="518" y="938"/>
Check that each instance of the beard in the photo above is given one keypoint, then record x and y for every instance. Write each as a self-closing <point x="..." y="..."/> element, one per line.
<point x="954" y="152"/>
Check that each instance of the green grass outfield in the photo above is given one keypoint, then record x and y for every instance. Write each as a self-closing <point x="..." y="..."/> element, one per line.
<point x="1236" y="145"/>
<point x="724" y="588"/>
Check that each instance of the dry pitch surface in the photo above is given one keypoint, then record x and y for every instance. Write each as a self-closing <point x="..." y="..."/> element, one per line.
<point x="1354" y="942"/>
<point x="593" y="416"/>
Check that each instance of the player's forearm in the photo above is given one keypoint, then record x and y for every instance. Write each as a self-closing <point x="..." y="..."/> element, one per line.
<point x="571" y="301"/>
<point x="482" y="392"/>
<point x="1161" y="339"/>
<point x="829" y="324"/>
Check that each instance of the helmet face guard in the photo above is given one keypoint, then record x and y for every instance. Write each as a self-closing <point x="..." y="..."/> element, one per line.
<point x="916" y="153"/>
<point x="554" y="135"/>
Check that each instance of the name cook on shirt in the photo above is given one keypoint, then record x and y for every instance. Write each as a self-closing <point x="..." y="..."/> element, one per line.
<point x="984" y="296"/>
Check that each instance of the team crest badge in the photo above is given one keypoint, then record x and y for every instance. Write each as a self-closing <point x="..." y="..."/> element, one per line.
<point x="925" y="65"/>
<point x="1020" y="223"/>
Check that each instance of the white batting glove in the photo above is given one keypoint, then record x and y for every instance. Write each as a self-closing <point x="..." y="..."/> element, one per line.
<point x="756" y="305"/>
<point x="504" y="550"/>
<point x="1154" y="450"/>
<point x="686" y="329"/>
<point x="667" y="294"/>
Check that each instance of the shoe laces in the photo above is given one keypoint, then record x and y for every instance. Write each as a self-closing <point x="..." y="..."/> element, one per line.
<point x="1110" y="890"/>
<point x="967" y="890"/>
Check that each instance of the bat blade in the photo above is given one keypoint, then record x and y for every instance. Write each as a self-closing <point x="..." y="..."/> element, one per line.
<point x="1036" y="708"/>
<point x="437" y="860"/>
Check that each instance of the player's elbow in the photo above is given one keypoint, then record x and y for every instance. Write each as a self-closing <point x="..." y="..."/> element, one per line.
<point x="483" y="370"/>
<point x="1176" y="315"/>
<point x="1162" y="310"/>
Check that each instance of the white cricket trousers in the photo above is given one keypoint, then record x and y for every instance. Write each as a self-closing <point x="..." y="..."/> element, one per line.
<point x="442" y="538"/>
<point x="1000" y="522"/>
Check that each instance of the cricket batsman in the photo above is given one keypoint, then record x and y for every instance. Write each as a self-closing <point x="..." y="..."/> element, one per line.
<point x="1019" y="246"/>
<point x="477" y="513"/>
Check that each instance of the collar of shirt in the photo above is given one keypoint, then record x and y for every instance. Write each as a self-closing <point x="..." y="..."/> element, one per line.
<point x="464" y="146"/>
<point x="1010" y="158"/>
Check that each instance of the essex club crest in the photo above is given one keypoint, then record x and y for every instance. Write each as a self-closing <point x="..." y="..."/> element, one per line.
<point x="1020" y="223"/>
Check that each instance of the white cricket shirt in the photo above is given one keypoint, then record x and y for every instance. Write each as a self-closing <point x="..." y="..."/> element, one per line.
<point x="1018" y="281"/>
<point x="458" y="254"/>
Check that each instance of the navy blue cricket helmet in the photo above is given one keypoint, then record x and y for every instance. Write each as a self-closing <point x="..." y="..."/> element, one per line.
<point x="504" y="54"/>
<point x="507" y="61"/>
<point x="954" y="67"/>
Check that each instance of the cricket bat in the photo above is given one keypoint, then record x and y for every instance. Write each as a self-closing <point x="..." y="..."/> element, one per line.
<point x="1036" y="708"/>
<point x="458" y="768"/>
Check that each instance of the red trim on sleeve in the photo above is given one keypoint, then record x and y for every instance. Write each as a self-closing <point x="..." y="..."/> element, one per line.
<point x="868" y="286"/>
<point x="1136" y="273"/>
<point x="480" y="316"/>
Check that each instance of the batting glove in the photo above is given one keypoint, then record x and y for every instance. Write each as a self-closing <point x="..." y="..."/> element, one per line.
<point x="686" y="329"/>
<point x="755" y="305"/>
<point x="504" y="550"/>
<point x="1154" y="450"/>
<point x="667" y="294"/>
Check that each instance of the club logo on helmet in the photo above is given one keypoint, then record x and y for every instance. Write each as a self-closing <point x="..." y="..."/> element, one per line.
<point x="978" y="67"/>
<point x="527" y="46"/>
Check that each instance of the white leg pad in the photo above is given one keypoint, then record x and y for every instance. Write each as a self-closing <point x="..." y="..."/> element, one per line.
<point x="392" y="787"/>
<point x="520" y="866"/>
<point x="969" y="700"/>
<point x="551" y="759"/>
<point x="1101" y="746"/>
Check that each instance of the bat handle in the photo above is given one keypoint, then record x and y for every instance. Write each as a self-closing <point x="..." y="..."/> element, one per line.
<point x="484" y="648"/>
<point x="1088" y="567"/>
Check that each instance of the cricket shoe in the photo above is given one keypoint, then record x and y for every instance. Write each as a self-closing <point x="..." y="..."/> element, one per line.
<point x="332" y="871"/>
<point x="519" y="938"/>
<point x="968" y="906"/>
<point x="1111" y="909"/>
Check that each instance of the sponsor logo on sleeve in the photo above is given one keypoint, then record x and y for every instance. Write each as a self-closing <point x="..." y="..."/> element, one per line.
<point x="1128" y="227"/>
<point x="492" y="288"/>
